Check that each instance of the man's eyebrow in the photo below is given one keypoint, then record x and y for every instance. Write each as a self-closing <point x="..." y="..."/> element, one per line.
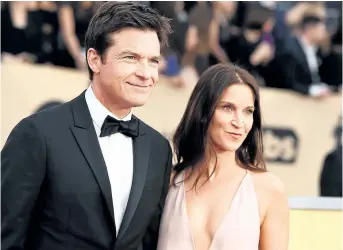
<point x="130" y="52"/>
<point x="156" y="57"/>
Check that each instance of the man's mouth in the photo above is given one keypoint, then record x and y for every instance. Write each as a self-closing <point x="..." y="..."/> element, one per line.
<point x="138" y="85"/>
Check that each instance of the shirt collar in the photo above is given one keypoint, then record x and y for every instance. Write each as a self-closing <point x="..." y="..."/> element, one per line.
<point x="98" y="111"/>
<point x="306" y="46"/>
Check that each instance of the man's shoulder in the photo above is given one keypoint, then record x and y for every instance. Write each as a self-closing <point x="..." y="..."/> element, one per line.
<point x="52" y="118"/>
<point x="57" y="112"/>
<point x="51" y="113"/>
<point x="42" y="122"/>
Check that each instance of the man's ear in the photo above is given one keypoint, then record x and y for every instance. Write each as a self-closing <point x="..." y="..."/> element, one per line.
<point x="94" y="60"/>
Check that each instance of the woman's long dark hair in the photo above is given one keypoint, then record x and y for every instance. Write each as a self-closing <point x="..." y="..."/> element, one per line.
<point x="191" y="136"/>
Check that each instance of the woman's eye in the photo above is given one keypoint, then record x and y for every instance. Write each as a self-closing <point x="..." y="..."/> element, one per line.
<point x="250" y="111"/>
<point x="228" y="108"/>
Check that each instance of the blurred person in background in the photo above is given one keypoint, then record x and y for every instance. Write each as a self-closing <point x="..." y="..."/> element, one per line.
<point x="253" y="47"/>
<point x="73" y="20"/>
<point x="42" y="31"/>
<point x="331" y="174"/>
<point x="14" y="23"/>
<point x="171" y="65"/>
<point x="297" y="66"/>
<point x="221" y="28"/>
<point x="289" y="15"/>
<point x="331" y="49"/>
<point x="30" y="31"/>
<point x="203" y="38"/>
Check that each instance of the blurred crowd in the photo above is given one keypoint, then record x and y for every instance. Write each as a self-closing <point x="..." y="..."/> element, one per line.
<point x="291" y="45"/>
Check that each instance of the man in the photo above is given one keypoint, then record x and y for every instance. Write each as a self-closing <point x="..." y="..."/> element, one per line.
<point x="299" y="64"/>
<point x="330" y="180"/>
<point x="88" y="174"/>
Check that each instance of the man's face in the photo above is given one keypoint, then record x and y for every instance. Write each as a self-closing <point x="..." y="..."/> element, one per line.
<point x="318" y="32"/>
<point x="129" y="69"/>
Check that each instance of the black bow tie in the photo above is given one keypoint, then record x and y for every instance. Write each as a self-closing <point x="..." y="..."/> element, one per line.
<point x="112" y="126"/>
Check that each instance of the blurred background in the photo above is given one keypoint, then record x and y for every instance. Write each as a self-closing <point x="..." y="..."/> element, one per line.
<point x="294" y="49"/>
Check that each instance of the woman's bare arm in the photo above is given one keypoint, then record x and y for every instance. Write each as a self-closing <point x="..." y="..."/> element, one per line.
<point x="275" y="226"/>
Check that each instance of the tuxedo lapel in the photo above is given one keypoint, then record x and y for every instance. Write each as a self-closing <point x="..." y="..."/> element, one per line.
<point x="300" y="54"/>
<point x="141" y="152"/>
<point x="84" y="133"/>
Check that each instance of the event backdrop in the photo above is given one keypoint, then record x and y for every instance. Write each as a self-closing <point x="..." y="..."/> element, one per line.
<point x="298" y="130"/>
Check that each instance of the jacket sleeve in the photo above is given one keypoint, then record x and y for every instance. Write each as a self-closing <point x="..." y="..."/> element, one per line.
<point x="23" y="164"/>
<point x="289" y="73"/>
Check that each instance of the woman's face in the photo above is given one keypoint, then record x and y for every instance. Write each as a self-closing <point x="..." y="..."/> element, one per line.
<point x="233" y="118"/>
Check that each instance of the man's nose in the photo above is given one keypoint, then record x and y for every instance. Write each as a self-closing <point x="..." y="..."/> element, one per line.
<point x="143" y="71"/>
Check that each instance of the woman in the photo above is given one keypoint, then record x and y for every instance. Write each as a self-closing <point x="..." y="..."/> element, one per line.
<point x="74" y="18"/>
<point x="208" y="24"/>
<point x="222" y="197"/>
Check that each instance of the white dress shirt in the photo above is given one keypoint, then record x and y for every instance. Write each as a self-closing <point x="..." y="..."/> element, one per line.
<point x="118" y="155"/>
<point x="310" y="51"/>
<point x="311" y="55"/>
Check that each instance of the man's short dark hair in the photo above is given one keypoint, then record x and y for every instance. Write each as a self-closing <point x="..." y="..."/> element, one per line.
<point x="113" y="16"/>
<point x="310" y="20"/>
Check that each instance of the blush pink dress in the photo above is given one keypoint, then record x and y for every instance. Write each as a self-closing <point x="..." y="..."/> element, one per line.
<point x="239" y="230"/>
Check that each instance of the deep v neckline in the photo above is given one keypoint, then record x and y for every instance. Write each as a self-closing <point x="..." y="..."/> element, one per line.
<point x="185" y="213"/>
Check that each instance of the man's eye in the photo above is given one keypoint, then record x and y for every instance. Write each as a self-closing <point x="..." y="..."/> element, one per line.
<point x="155" y="61"/>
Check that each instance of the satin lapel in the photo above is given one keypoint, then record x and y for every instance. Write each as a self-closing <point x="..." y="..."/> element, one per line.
<point x="300" y="54"/>
<point x="87" y="140"/>
<point x="141" y="152"/>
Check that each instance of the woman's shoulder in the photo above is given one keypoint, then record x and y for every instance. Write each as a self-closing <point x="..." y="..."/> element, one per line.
<point x="268" y="182"/>
<point x="269" y="188"/>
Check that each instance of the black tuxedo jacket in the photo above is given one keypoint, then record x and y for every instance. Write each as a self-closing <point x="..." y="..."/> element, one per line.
<point x="294" y="72"/>
<point x="56" y="192"/>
